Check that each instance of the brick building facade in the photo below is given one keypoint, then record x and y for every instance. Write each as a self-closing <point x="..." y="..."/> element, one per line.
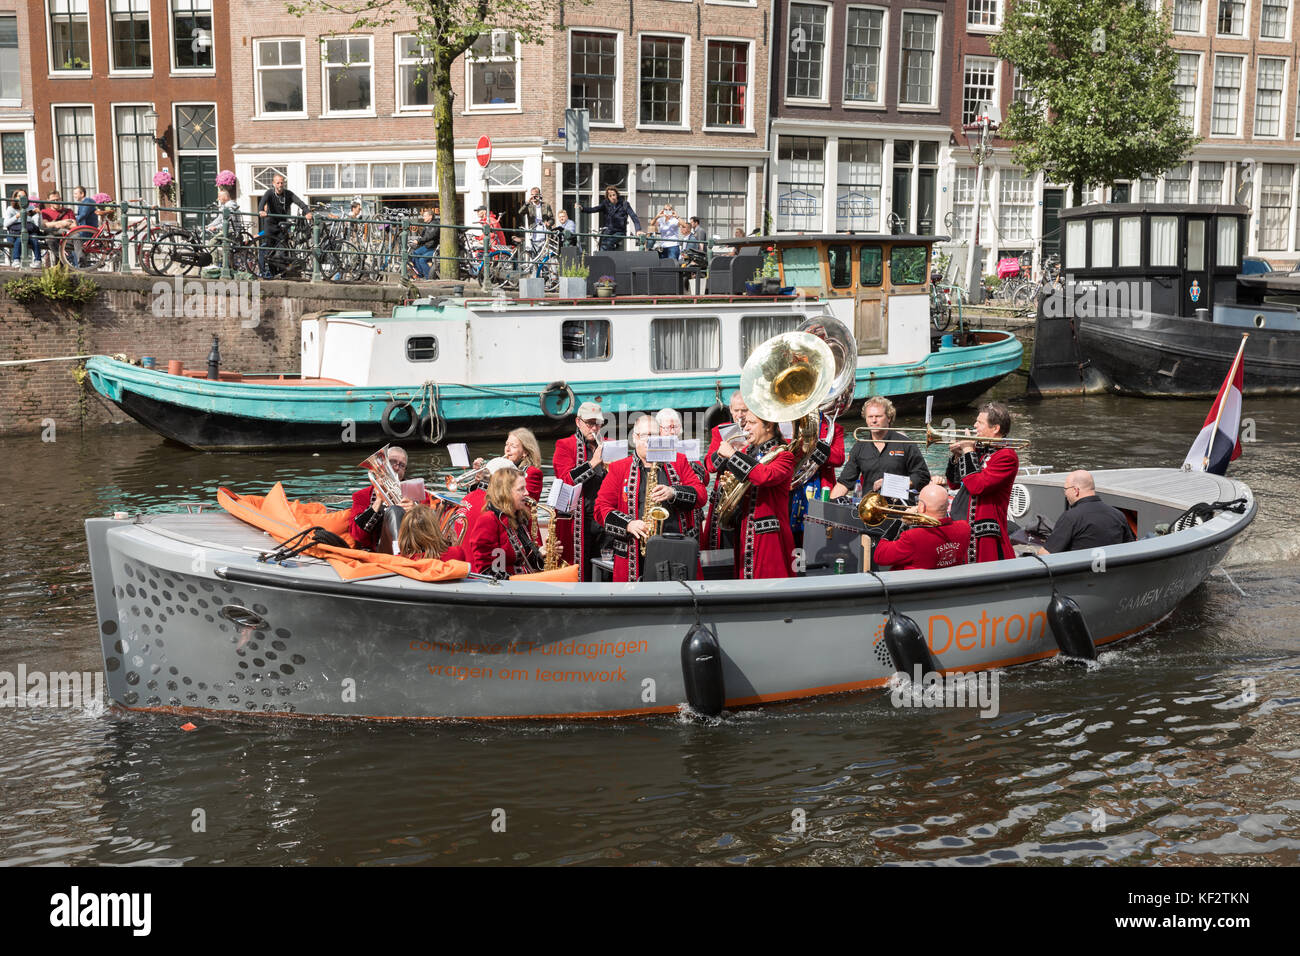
<point x="19" y="168"/>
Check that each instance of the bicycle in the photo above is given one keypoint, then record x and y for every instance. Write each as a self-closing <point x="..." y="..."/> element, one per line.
<point x="90" y="248"/>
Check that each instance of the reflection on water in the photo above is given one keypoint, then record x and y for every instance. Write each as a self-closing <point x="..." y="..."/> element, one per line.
<point x="1179" y="747"/>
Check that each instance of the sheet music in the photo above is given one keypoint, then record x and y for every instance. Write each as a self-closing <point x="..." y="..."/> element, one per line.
<point x="661" y="448"/>
<point x="459" y="455"/>
<point x="929" y="408"/>
<point x="787" y="430"/>
<point x="730" y="432"/>
<point x="613" y="451"/>
<point x="690" y="448"/>
<point x="413" y="488"/>
<point x="560" y="496"/>
<point x="896" y="486"/>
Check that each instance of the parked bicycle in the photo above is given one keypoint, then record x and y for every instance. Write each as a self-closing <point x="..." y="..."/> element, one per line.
<point x="91" y="248"/>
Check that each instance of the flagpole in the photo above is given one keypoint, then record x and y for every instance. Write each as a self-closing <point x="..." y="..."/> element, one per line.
<point x="1232" y="375"/>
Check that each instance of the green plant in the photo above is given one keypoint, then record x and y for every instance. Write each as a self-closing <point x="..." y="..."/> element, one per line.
<point x="57" y="284"/>
<point x="575" y="269"/>
<point x="770" y="269"/>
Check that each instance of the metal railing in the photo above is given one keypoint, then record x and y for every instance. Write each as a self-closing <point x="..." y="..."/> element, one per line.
<point x="130" y="236"/>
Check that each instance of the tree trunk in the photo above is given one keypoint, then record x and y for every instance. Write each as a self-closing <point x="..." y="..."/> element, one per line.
<point x="1076" y="189"/>
<point x="445" y="146"/>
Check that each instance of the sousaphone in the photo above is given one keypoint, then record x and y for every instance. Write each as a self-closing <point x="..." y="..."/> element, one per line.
<point x="844" y="349"/>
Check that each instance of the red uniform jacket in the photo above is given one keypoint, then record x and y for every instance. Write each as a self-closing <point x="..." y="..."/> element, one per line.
<point x="533" y="481"/>
<point x="571" y="467"/>
<point x="361" y="502"/>
<point x="493" y="534"/>
<point x="987" y="477"/>
<point x="620" y="501"/>
<point x="926" y="548"/>
<point x="835" y="456"/>
<point x="764" y="543"/>
<point x="711" y="533"/>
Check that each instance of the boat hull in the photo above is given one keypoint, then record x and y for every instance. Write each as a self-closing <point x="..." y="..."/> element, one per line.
<point x="258" y="416"/>
<point x="304" y="643"/>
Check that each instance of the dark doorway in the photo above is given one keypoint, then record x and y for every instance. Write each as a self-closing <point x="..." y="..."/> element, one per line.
<point x="504" y="206"/>
<point x="1053" y="202"/>
<point x="198" y="179"/>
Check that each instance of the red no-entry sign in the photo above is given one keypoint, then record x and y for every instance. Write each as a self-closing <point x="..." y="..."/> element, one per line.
<point x="484" y="151"/>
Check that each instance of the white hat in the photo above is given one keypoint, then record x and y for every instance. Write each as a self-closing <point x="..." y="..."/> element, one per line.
<point x="496" y="464"/>
<point x="589" y="410"/>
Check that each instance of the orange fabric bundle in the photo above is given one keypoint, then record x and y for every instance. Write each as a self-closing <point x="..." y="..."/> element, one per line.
<point x="282" y="519"/>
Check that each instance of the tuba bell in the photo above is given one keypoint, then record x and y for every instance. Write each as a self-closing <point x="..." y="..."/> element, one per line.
<point x="381" y="474"/>
<point x="785" y="379"/>
<point x="844" y="349"/>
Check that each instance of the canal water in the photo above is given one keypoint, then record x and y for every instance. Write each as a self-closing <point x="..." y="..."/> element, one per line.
<point x="1181" y="747"/>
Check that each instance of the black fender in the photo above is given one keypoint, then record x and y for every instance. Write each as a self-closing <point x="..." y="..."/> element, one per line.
<point x="557" y="401"/>
<point x="907" y="646"/>
<point x="702" y="670"/>
<point x="387" y="420"/>
<point x="1070" y="629"/>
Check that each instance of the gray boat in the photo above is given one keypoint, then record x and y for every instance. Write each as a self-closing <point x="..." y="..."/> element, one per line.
<point x="191" y="621"/>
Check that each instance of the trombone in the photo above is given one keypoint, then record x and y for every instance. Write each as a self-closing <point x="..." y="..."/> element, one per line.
<point x="873" y="510"/>
<point x="933" y="437"/>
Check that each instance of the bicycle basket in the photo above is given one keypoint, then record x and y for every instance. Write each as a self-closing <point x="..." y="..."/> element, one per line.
<point x="1008" y="267"/>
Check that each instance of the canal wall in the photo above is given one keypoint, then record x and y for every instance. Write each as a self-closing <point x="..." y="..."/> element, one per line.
<point x="257" y="323"/>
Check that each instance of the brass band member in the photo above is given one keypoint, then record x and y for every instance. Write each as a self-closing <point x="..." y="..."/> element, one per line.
<point x="764" y="543"/>
<point x="368" y="509"/>
<point x="501" y="542"/>
<point x="882" y="455"/>
<point x="523" y="452"/>
<point x="670" y="424"/>
<point x="620" y="506"/>
<point x="421" y="537"/>
<point x="926" y="547"/>
<point x="714" y="536"/>
<point x="577" y="462"/>
<point x="986" y="473"/>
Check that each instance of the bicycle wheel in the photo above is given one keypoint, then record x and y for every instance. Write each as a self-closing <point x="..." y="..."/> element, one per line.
<point x="163" y="256"/>
<point x="341" y="263"/>
<point x="549" y="268"/>
<point x="84" y="248"/>
<point x="1025" y="296"/>
<point x="502" y="270"/>
<point x="941" y="313"/>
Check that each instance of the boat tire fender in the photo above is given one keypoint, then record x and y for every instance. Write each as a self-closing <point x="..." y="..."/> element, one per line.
<point x="1070" y="629"/>
<point x="907" y="646"/>
<point x="557" y="401"/>
<point x="387" y="421"/>
<point x="715" y="415"/>
<point x="702" y="670"/>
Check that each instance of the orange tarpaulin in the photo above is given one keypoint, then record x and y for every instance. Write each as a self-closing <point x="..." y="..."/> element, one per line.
<point x="282" y="519"/>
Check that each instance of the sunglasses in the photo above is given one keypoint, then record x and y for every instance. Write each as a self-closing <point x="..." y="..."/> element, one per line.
<point x="593" y="422"/>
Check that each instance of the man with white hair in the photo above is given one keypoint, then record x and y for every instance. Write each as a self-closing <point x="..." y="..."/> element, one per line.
<point x="1088" y="522"/>
<point x="670" y="423"/>
<point x="926" y="547"/>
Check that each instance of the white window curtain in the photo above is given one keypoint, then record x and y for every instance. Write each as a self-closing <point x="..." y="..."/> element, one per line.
<point x="1130" y="241"/>
<point x="756" y="329"/>
<point x="1076" y="244"/>
<point x="1164" y="241"/>
<point x="687" y="344"/>
<point x="1226" y="246"/>
<point x="1195" y="245"/>
<point x="1103" y="233"/>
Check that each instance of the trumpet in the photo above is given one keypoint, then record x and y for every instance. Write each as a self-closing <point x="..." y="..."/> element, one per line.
<point x="872" y="510"/>
<point x="933" y="437"/>
<point x="470" y="477"/>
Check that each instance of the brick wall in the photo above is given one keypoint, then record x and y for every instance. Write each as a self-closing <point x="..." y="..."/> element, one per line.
<point x="121" y="319"/>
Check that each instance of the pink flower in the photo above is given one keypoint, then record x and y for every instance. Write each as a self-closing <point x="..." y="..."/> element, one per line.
<point x="225" y="178"/>
<point x="101" y="198"/>
<point x="163" y="178"/>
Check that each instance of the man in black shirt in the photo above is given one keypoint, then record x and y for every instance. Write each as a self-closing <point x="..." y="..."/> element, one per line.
<point x="873" y="459"/>
<point x="273" y="208"/>
<point x="1088" y="522"/>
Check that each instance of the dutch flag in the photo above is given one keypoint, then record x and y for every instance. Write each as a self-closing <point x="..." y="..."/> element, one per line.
<point x="1219" y="441"/>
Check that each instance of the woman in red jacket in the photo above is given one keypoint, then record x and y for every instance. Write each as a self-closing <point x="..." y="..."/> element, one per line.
<point x="421" y="537"/>
<point x="764" y="542"/>
<point x="501" y="541"/>
<point x="524" y="453"/>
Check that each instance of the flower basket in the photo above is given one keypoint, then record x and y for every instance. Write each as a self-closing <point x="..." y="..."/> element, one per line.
<point x="605" y="287"/>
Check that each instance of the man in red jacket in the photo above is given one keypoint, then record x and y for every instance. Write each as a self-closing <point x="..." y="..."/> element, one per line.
<point x="927" y="547"/>
<point x="577" y="461"/>
<point x="620" y="504"/>
<point x="764" y="543"/>
<point x="713" y="536"/>
<point x="987" y="474"/>
<point x="368" y="510"/>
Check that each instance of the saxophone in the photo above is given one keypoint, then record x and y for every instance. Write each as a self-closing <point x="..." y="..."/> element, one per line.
<point x="553" y="560"/>
<point x="654" y="514"/>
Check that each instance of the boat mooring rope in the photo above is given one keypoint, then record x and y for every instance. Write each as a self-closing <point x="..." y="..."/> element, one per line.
<point x="60" y="358"/>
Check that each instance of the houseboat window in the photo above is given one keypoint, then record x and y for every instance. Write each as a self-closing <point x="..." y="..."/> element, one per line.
<point x="1103" y="231"/>
<point x="907" y="265"/>
<point x="1195" y="245"/>
<point x="840" y="260"/>
<point x="584" y="340"/>
<point x="1164" y="241"/>
<point x="756" y="329"/>
<point x="802" y="266"/>
<point x="1226" y="244"/>
<point x="1130" y="241"/>
<point x="872" y="269"/>
<point x="686" y="345"/>
<point x="1076" y="245"/>
<point x="422" y="348"/>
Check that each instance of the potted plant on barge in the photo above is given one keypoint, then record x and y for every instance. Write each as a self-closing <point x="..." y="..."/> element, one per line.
<point x="573" y="278"/>
<point x="605" y="287"/>
<point x="767" y="277"/>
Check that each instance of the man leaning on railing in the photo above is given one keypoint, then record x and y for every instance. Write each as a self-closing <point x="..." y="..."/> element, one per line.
<point x="273" y="208"/>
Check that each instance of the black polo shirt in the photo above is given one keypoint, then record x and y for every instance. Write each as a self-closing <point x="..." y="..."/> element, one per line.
<point x="895" y="459"/>
<point x="1089" y="523"/>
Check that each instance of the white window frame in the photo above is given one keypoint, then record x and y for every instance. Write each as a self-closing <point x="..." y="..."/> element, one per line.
<point x="1200" y="27"/>
<point x="617" y="122"/>
<point x="172" y="68"/>
<point x="996" y="27"/>
<point x="1241" y="94"/>
<point x="936" y="79"/>
<point x="1223" y="176"/>
<point x="113" y="69"/>
<point x="1196" y="98"/>
<point x="518" y="105"/>
<point x="1245" y="21"/>
<point x="19" y="51"/>
<point x="327" y="110"/>
<point x="49" y="47"/>
<point x="54" y="136"/>
<point x="686" y="81"/>
<point x="996" y="96"/>
<point x="1281" y="110"/>
<point x="179" y="150"/>
<point x="881" y="73"/>
<point x="398" y="62"/>
<point x="257" y="78"/>
<point x="147" y="190"/>
<point x="1286" y="23"/>
<point x="825" y="98"/>
<point x="749" y="85"/>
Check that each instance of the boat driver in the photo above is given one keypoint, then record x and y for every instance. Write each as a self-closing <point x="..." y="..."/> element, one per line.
<point x="1088" y="522"/>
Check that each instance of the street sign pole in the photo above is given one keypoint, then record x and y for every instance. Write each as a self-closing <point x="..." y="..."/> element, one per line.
<point x="483" y="153"/>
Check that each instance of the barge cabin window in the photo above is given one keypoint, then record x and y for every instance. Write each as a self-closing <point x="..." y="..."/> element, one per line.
<point x="422" y="348"/>
<point x="689" y="344"/>
<point x="908" y="265"/>
<point x="585" y="340"/>
<point x="756" y="329"/>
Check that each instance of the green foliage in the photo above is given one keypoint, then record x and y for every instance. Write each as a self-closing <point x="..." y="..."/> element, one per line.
<point x="57" y="284"/>
<point x="770" y="269"/>
<point x="575" y="269"/>
<point x="1101" y="76"/>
